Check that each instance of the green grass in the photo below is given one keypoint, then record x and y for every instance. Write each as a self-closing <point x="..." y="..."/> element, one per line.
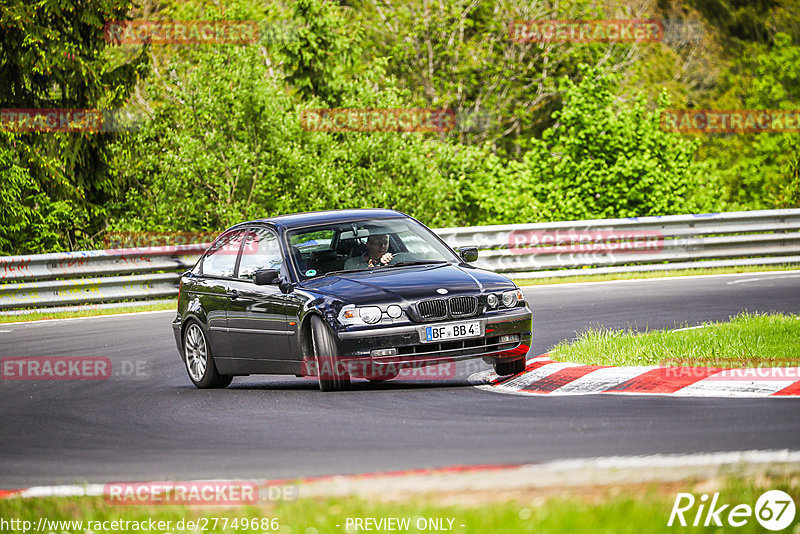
<point x="603" y="509"/>
<point x="748" y="340"/>
<point x="652" y="274"/>
<point x="43" y="315"/>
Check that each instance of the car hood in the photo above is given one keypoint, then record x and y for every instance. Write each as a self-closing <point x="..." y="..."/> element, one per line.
<point x="407" y="283"/>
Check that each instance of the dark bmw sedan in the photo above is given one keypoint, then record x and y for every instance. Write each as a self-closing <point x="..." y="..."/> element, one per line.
<point x="341" y="294"/>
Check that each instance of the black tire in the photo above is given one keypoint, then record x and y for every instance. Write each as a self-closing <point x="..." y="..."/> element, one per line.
<point x="330" y="371"/>
<point x="200" y="361"/>
<point x="514" y="367"/>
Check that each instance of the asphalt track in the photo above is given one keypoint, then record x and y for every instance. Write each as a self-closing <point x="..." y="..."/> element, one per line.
<point x="155" y="425"/>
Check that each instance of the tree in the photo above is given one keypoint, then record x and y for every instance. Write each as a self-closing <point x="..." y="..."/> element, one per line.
<point x="53" y="56"/>
<point x="604" y="158"/>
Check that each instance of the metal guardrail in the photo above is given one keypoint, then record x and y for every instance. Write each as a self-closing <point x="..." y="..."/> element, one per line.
<point x="519" y="250"/>
<point x="635" y="244"/>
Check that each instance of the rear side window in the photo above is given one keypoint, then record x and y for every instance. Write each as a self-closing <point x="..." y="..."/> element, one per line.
<point x="220" y="260"/>
<point x="260" y="251"/>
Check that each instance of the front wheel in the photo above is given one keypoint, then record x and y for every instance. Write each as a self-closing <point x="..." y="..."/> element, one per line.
<point x="331" y="371"/>
<point x="514" y="367"/>
<point x="199" y="360"/>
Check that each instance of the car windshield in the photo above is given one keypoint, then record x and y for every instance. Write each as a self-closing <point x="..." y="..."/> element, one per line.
<point x="365" y="245"/>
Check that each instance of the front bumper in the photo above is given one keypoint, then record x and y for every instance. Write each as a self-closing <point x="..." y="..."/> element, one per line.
<point x="357" y="345"/>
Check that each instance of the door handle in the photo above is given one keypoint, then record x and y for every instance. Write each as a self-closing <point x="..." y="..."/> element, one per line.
<point x="233" y="294"/>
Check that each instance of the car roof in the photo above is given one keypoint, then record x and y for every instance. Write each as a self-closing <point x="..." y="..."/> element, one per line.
<point x="297" y="220"/>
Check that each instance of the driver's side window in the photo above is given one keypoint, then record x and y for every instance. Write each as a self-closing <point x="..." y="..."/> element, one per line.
<point x="260" y="251"/>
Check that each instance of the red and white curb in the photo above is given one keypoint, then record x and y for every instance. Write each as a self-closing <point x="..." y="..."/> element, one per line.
<point x="543" y="376"/>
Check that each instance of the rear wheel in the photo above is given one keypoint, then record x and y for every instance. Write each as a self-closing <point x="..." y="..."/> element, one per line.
<point x="514" y="367"/>
<point x="331" y="371"/>
<point x="199" y="360"/>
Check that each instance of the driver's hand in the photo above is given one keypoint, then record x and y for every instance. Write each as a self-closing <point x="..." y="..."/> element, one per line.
<point x="386" y="258"/>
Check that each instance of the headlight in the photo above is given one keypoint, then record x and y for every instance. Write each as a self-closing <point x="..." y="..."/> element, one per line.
<point x="370" y="314"/>
<point x="492" y="300"/>
<point x="352" y="315"/>
<point x="511" y="298"/>
<point x="394" y="311"/>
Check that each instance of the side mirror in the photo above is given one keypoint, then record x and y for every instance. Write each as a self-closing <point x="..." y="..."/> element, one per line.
<point x="264" y="277"/>
<point x="285" y="286"/>
<point x="469" y="254"/>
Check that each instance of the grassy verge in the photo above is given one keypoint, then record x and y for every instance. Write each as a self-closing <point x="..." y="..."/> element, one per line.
<point x="653" y="274"/>
<point x="748" y="340"/>
<point x="40" y="316"/>
<point x="603" y="509"/>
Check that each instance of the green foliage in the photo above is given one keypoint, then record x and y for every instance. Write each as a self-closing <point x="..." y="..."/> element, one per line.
<point x="540" y="135"/>
<point x="459" y="55"/>
<point x="227" y="144"/>
<point x="56" y="184"/>
<point x="603" y="158"/>
<point x="759" y="171"/>
<point x="321" y="52"/>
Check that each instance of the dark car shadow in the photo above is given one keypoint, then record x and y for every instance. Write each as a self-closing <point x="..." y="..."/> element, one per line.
<point x="355" y="385"/>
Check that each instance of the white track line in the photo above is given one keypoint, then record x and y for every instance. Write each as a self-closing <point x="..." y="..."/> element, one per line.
<point x="654" y="279"/>
<point x="103" y="316"/>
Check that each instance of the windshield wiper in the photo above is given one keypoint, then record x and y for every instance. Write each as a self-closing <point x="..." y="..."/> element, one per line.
<point x="398" y="264"/>
<point x="417" y="262"/>
<point x="346" y="271"/>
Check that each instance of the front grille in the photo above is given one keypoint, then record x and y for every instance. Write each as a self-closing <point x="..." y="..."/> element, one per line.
<point x="432" y="309"/>
<point x="463" y="306"/>
<point x="452" y="349"/>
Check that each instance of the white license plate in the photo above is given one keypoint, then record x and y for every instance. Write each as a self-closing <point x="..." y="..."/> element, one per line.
<point x="443" y="332"/>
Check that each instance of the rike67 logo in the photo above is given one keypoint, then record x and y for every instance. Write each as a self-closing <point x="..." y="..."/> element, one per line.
<point x="774" y="510"/>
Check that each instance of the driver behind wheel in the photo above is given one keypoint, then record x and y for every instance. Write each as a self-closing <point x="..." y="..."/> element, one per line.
<point x="377" y="254"/>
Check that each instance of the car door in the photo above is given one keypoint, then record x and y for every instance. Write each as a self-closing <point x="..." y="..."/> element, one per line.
<point x="211" y="288"/>
<point x="257" y="321"/>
